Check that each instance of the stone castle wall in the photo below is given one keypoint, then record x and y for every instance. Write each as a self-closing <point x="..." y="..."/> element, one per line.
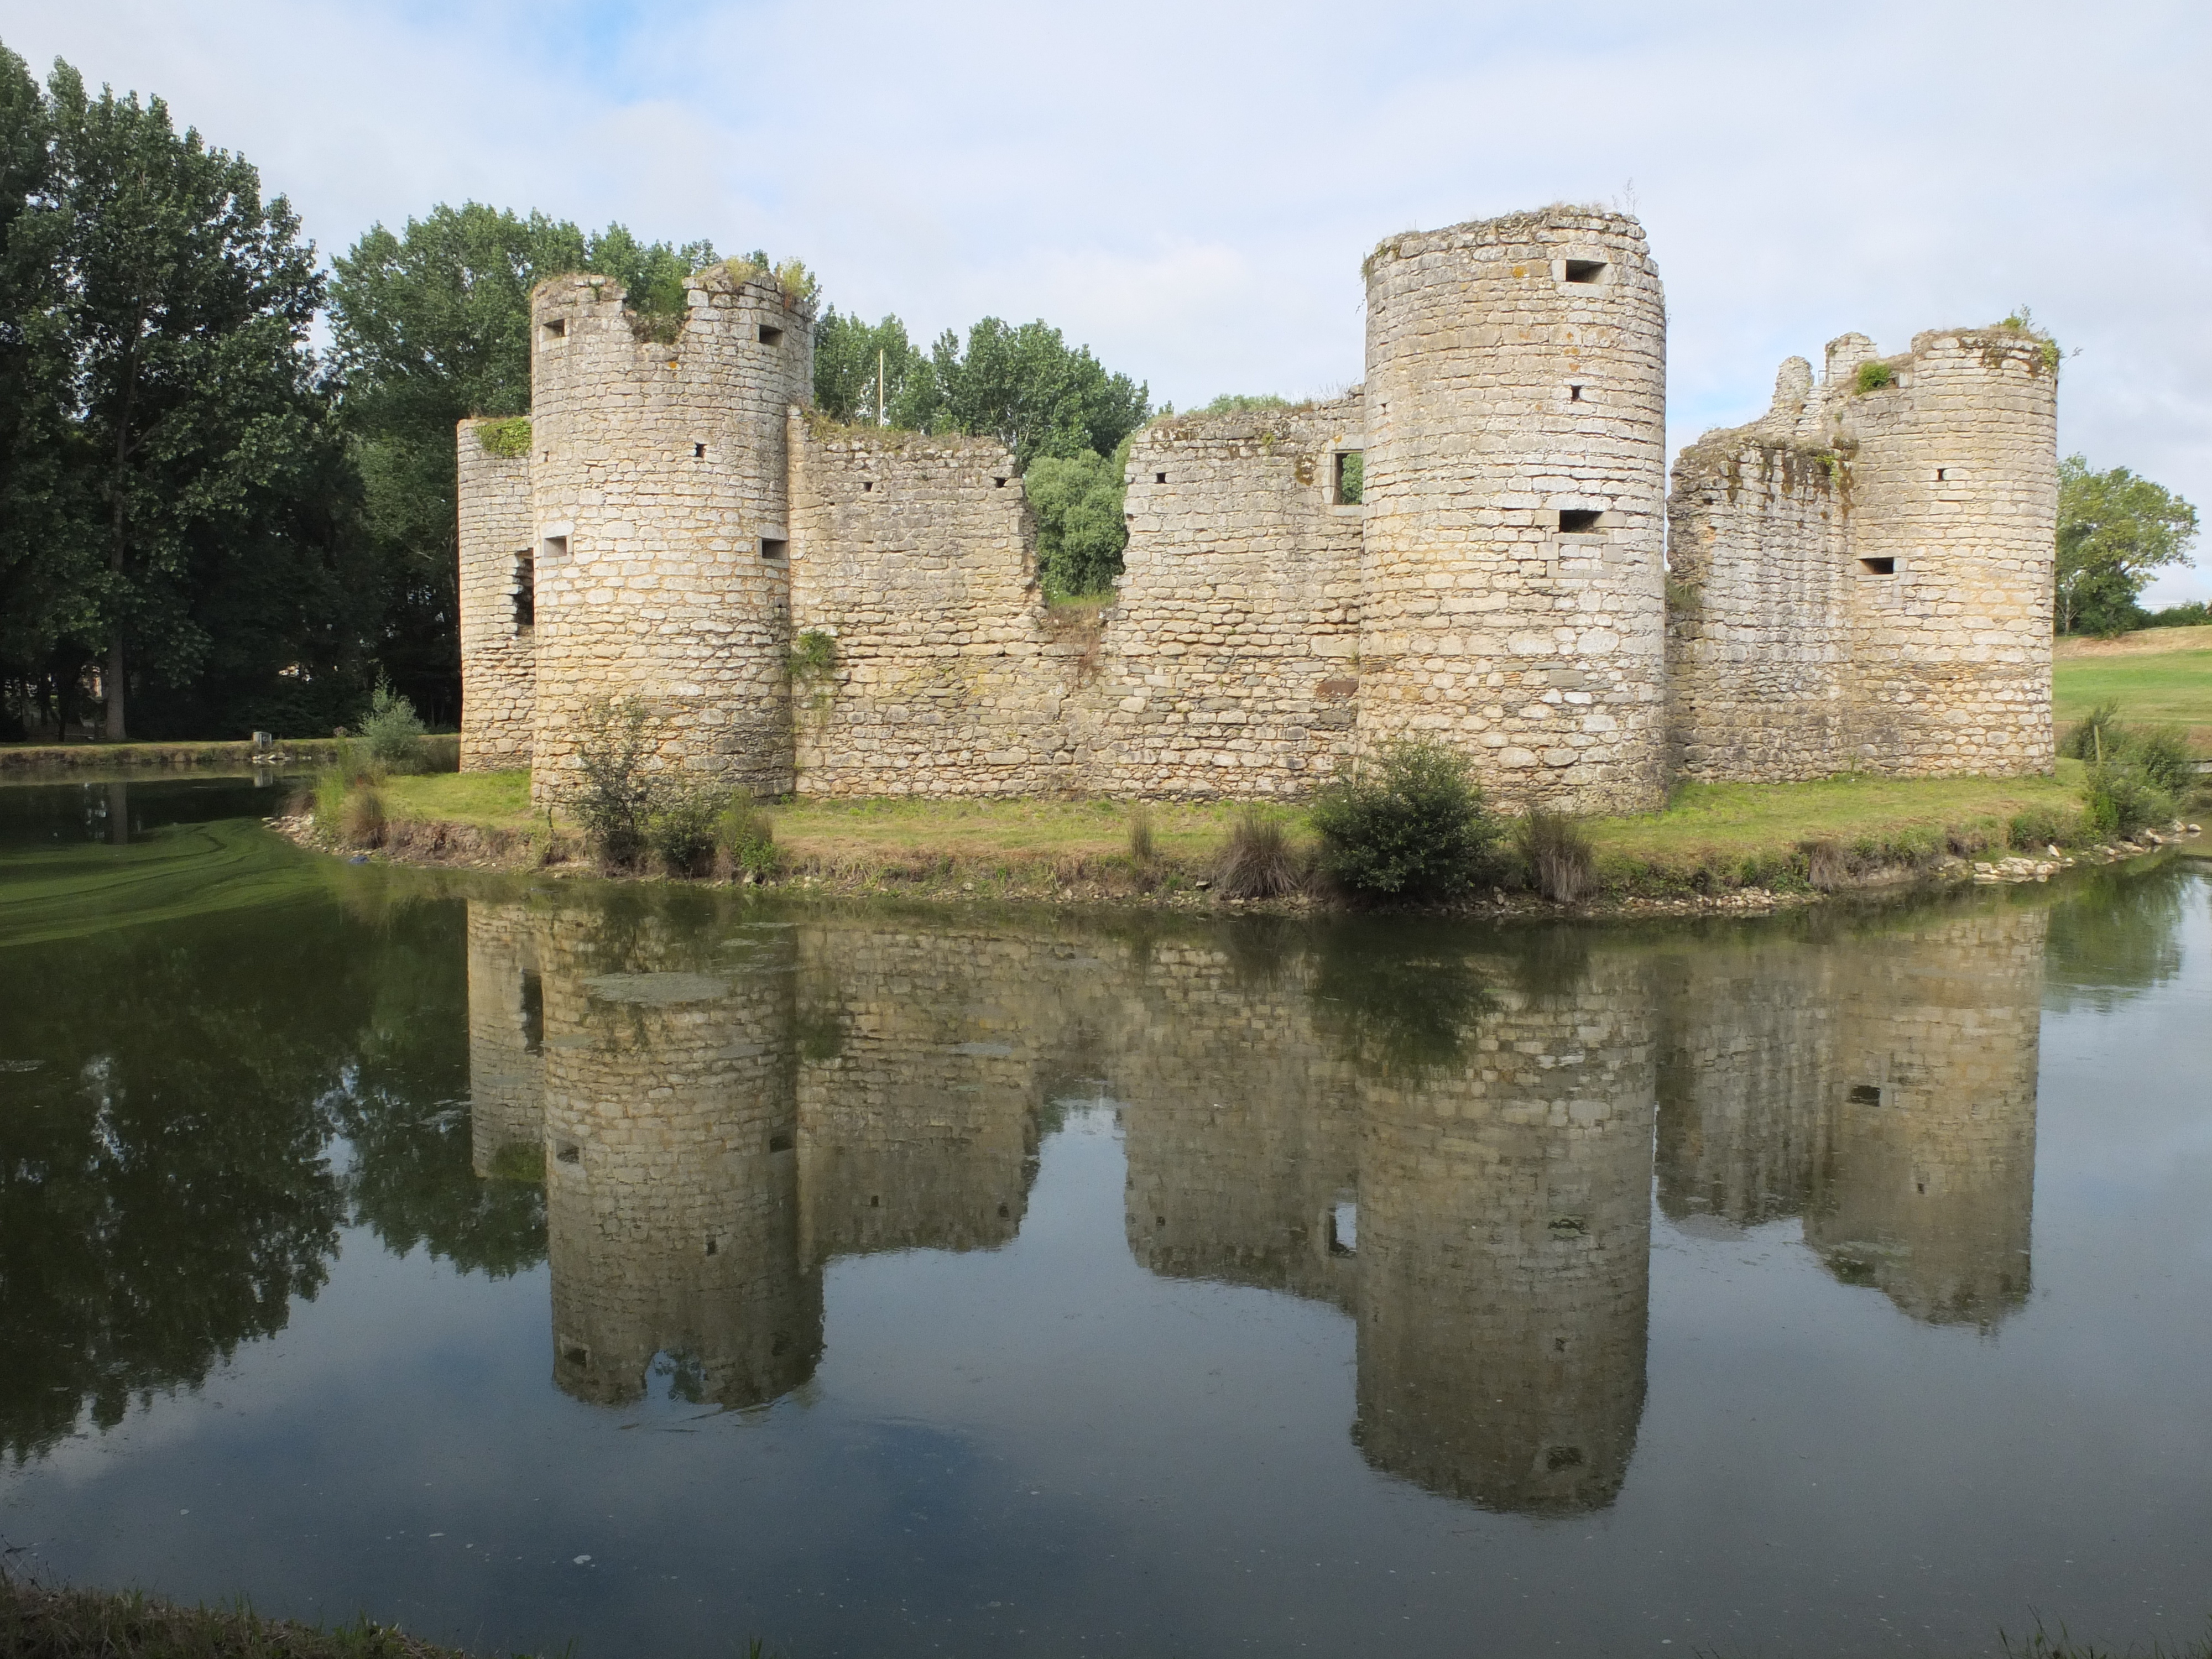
<point x="658" y="483"/>
<point x="1864" y="577"/>
<point x="1512" y="605"/>
<point x="914" y="555"/>
<point x="1858" y="581"/>
<point x="498" y="551"/>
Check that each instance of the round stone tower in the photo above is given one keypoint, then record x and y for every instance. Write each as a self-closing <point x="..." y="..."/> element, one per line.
<point x="1513" y="598"/>
<point x="1950" y="459"/>
<point x="657" y="474"/>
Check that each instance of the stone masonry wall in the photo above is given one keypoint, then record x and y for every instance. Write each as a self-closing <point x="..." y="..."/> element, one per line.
<point x="1513" y="600"/>
<point x="497" y="550"/>
<point x="1865" y="576"/>
<point x="914" y="554"/>
<point x="506" y="1042"/>
<point x="659" y="479"/>
<point x="1228" y="663"/>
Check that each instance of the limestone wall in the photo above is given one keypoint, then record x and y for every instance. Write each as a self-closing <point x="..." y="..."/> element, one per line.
<point x="658" y="483"/>
<point x="1512" y="603"/>
<point x="1864" y="577"/>
<point x="497" y="604"/>
<point x="914" y="554"/>
<point x="1228" y="663"/>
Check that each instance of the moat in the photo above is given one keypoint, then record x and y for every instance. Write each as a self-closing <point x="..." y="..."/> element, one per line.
<point x="659" y="1268"/>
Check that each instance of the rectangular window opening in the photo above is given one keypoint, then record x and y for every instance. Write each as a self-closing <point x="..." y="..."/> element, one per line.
<point x="1585" y="270"/>
<point x="554" y="327"/>
<point x="1866" y="1094"/>
<point x="526" y="592"/>
<point x="772" y="548"/>
<point x="698" y="451"/>
<point x="771" y="336"/>
<point x="1940" y="472"/>
<point x="556" y="549"/>
<point x="1159" y="477"/>
<point x="1574" y="394"/>
<point x="533" y="1012"/>
<point x="867" y="484"/>
<point x="1879" y="567"/>
<point x="997" y="483"/>
<point x="1344" y="1229"/>
<point x="568" y="1153"/>
<point x="780" y="1142"/>
<point x="1348" y="478"/>
<point x="1580" y="520"/>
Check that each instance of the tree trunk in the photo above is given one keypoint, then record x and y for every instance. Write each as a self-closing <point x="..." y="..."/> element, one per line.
<point x="111" y="683"/>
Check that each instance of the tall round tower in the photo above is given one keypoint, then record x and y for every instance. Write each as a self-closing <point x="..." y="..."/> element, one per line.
<point x="658" y="489"/>
<point x="1513" y="594"/>
<point x="1951" y="458"/>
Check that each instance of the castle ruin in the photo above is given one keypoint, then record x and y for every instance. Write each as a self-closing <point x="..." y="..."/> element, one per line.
<point x="1861" y="581"/>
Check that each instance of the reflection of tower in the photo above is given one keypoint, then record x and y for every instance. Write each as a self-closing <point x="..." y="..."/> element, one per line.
<point x="1242" y="1137"/>
<point x="672" y="1174"/>
<point x="1747" y="1052"/>
<point x="1924" y="1184"/>
<point x="919" y="1063"/>
<point x="1503" y="1243"/>
<point x="507" y="1031"/>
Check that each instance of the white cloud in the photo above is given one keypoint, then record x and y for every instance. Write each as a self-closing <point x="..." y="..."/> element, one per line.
<point x="1190" y="187"/>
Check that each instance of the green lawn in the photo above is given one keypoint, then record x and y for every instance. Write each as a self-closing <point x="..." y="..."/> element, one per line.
<point x="1720" y="826"/>
<point x="2152" y="685"/>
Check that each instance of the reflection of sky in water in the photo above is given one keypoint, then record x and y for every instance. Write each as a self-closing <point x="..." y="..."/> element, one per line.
<point x="1047" y="1446"/>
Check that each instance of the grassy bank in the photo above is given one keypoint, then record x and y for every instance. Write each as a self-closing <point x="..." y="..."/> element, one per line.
<point x="37" y="1622"/>
<point x="443" y="753"/>
<point x="2160" y="675"/>
<point x="1711" y="839"/>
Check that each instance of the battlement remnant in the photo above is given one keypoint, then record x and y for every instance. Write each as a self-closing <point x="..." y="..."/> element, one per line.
<point x="1860" y="580"/>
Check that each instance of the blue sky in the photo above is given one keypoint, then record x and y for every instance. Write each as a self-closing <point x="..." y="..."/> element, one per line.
<point x="1190" y="187"/>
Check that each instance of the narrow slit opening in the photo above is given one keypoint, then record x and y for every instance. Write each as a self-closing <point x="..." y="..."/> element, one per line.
<point x="1879" y="567"/>
<point x="698" y="451"/>
<point x="771" y="336"/>
<point x="556" y="327"/>
<point x="1585" y="270"/>
<point x="1579" y="520"/>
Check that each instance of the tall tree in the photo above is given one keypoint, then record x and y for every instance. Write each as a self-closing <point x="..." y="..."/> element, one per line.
<point x="195" y="465"/>
<point x="2114" y="529"/>
<point x="1026" y="388"/>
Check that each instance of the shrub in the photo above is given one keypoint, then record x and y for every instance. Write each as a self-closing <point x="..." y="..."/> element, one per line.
<point x="1258" y="861"/>
<point x="1142" y="850"/>
<point x="392" y="730"/>
<point x="1409" y="824"/>
<point x="361" y="821"/>
<point x="2036" y="829"/>
<point x="2161" y="755"/>
<point x="744" y="837"/>
<point x="2119" y="800"/>
<point x="2094" y="736"/>
<point x="1875" y="375"/>
<point x="614" y="795"/>
<point x="1827" y="867"/>
<point x="1562" y="863"/>
<point x="680" y="827"/>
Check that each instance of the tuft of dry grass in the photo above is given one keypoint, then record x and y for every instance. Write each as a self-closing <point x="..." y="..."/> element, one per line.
<point x="1142" y="849"/>
<point x="361" y="820"/>
<point x="1561" y="860"/>
<point x="1258" y="861"/>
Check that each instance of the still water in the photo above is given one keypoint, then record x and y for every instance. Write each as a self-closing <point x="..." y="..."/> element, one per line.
<point x="529" y="1261"/>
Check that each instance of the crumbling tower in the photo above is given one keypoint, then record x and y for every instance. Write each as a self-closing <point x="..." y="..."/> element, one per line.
<point x="1513" y="598"/>
<point x="658" y="481"/>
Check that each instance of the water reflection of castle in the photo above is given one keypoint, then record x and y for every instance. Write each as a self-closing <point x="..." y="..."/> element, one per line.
<point x="1461" y="1159"/>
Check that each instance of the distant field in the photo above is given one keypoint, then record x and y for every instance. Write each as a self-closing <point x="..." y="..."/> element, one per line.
<point x="2159" y="675"/>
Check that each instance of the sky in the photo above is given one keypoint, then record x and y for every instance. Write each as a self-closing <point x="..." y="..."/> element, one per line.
<point x="1190" y="187"/>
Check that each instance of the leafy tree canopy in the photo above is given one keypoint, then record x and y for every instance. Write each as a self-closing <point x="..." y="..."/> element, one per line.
<point x="177" y="502"/>
<point x="2114" y="529"/>
<point x="1081" y="533"/>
